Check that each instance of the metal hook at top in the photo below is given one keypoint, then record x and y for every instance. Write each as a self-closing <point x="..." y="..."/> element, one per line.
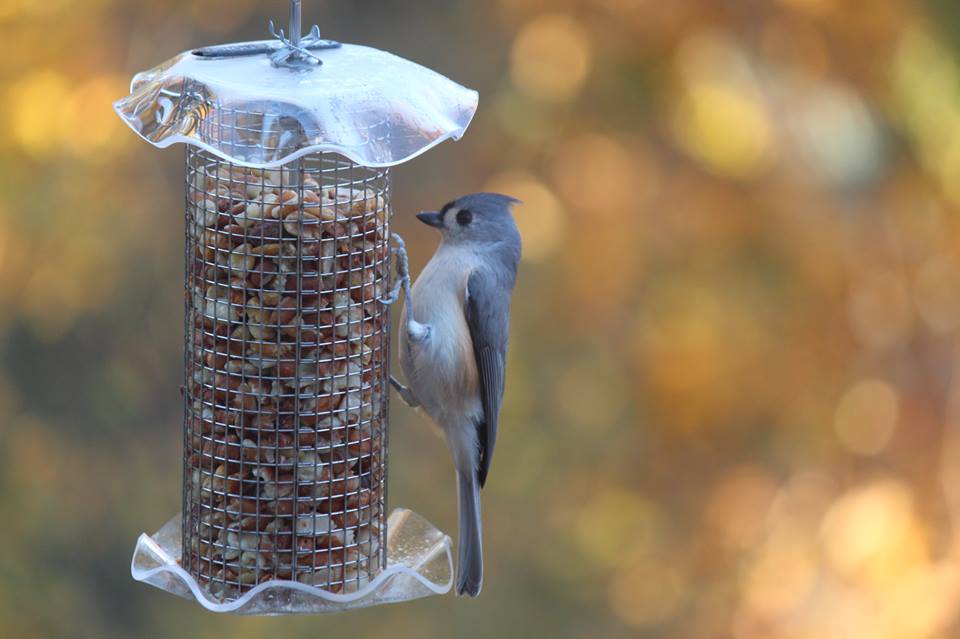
<point x="296" y="50"/>
<point x="293" y="52"/>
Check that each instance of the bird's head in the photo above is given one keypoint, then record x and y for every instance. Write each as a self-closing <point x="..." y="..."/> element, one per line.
<point x="475" y="218"/>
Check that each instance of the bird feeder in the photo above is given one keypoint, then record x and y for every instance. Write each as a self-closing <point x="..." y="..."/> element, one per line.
<point x="288" y="285"/>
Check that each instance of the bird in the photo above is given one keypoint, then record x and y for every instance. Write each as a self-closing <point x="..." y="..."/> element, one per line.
<point x="453" y="348"/>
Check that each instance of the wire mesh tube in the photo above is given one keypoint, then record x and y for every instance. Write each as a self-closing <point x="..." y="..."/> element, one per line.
<point x="286" y="373"/>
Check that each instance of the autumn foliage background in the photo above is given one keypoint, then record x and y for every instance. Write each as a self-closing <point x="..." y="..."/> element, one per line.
<point x="733" y="402"/>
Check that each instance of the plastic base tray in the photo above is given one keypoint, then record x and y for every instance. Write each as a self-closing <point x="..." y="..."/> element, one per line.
<point x="419" y="564"/>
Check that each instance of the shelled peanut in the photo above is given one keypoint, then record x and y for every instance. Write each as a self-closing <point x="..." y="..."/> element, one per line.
<point x="287" y="380"/>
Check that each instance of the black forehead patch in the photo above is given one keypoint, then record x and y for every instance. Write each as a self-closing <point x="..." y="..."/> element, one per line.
<point x="447" y="207"/>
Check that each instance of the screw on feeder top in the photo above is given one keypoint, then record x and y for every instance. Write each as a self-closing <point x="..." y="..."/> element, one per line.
<point x="295" y="25"/>
<point x="295" y="52"/>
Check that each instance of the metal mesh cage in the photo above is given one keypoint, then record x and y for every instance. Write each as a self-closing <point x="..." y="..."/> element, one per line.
<point x="286" y="373"/>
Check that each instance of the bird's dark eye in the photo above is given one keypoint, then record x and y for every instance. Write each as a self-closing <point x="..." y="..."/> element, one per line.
<point x="464" y="217"/>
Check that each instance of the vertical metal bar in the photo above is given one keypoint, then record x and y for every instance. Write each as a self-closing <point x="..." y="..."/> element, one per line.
<point x="243" y="420"/>
<point x="352" y="203"/>
<point x="260" y="201"/>
<point x="382" y="493"/>
<point x="296" y="170"/>
<point x="295" y="20"/>
<point x="223" y="538"/>
<point x="187" y="523"/>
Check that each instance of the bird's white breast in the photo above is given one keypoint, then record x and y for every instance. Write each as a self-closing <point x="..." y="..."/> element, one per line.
<point x="442" y="370"/>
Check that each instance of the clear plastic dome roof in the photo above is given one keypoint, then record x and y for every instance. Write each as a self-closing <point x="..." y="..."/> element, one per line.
<point x="371" y="106"/>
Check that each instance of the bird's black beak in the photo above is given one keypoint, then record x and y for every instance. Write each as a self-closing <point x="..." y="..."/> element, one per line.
<point x="431" y="218"/>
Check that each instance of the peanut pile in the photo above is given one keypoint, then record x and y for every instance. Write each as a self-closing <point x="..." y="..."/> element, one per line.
<point x="287" y="379"/>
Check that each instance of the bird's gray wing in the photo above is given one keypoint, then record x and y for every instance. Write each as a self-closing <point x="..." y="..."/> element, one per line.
<point x="488" y="318"/>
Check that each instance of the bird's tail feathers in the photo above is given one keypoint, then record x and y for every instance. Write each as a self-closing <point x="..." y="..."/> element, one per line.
<point x="470" y="552"/>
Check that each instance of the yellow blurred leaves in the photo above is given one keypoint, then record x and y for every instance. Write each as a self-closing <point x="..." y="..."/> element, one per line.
<point x="880" y="311"/>
<point x="795" y="41"/>
<point x="781" y="575"/>
<point x="91" y="127"/>
<point x="39" y="462"/>
<point x="600" y="176"/>
<point x="56" y="260"/>
<point x="866" y="417"/>
<point x="36" y="104"/>
<point x="870" y="531"/>
<point x="810" y="6"/>
<point x="701" y="353"/>
<point x="76" y="274"/>
<point x="4" y="237"/>
<point x="647" y="592"/>
<point x="920" y="602"/>
<point x="593" y="394"/>
<point x="616" y="525"/>
<point x="550" y="57"/>
<point x="221" y="16"/>
<point x="782" y="561"/>
<point x="540" y="217"/>
<point x="926" y="84"/>
<point x="49" y="116"/>
<point x="686" y="339"/>
<point x="695" y="357"/>
<point x="720" y="118"/>
<point x="867" y="574"/>
<point x="737" y="506"/>
<point x="608" y="185"/>
<point x="724" y="129"/>
<point x="937" y="293"/>
<point x="13" y="9"/>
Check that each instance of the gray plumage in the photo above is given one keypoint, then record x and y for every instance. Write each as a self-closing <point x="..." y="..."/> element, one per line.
<point x="453" y="348"/>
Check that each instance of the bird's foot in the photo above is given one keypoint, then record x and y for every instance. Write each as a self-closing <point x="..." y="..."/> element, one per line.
<point x="403" y="273"/>
<point x="406" y="395"/>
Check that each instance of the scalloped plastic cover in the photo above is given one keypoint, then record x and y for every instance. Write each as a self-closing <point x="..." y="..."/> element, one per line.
<point x="419" y="564"/>
<point x="373" y="107"/>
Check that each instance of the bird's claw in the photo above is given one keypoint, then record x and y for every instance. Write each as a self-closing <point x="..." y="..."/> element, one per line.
<point x="405" y="393"/>
<point x="403" y="273"/>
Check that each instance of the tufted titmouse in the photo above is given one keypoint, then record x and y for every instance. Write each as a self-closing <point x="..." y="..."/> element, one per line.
<point x="453" y="348"/>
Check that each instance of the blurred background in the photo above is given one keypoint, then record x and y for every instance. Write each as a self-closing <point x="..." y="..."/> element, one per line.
<point x="733" y="402"/>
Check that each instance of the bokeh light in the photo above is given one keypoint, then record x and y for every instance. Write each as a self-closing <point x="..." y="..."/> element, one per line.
<point x="866" y="417"/>
<point x="540" y="218"/>
<point x="733" y="391"/>
<point x="603" y="178"/>
<point x="720" y="118"/>
<point x="551" y="57"/>
<point x="36" y="110"/>
<point x="938" y="293"/>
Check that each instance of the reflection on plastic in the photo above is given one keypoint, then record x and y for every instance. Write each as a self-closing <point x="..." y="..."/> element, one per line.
<point x="419" y="564"/>
<point x="371" y="106"/>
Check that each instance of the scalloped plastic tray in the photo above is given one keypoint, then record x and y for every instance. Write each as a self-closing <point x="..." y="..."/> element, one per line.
<point x="419" y="564"/>
<point x="371" y="106"/>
